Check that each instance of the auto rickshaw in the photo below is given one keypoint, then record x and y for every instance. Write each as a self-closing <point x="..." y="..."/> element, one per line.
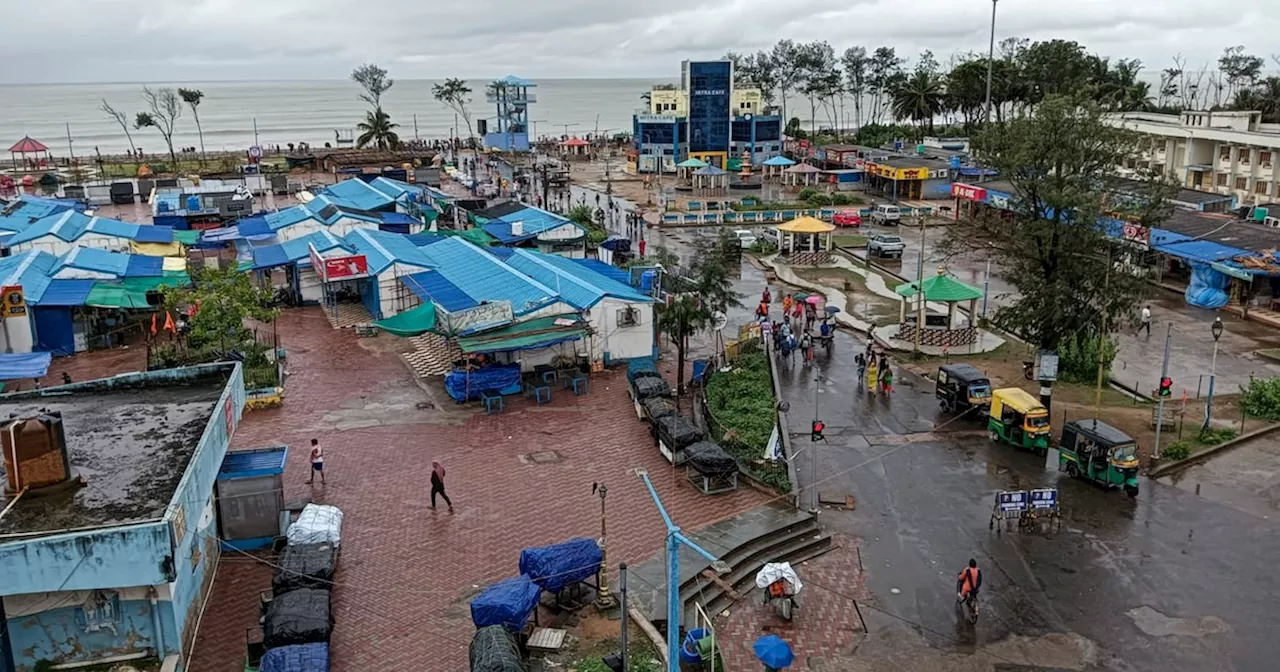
<point x="1018" y="418"/>
<point x="1095" y="451"/>
<point x="960" y="387"/>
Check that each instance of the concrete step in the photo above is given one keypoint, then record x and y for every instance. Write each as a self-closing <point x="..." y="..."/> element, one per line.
<point x="742" y="558"/>
<point x="798" y="551"/>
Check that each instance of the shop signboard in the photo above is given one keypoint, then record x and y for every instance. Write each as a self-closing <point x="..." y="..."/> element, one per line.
<point x="1137" y="234"/>
<point x="15" y="301"/>
<point x="968" y="192"/>
<point x="346" y="267"/>
<point x="912" y="174"/>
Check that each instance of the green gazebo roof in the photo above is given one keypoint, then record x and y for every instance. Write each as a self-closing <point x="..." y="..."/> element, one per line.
<point x="941" y="288"/>
<point x="692" y="163"/>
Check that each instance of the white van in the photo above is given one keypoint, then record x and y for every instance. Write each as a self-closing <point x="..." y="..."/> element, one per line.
<point x="888" y="215"/>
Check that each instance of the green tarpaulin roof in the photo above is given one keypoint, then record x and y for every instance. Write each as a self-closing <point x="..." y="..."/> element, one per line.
<point x="529" y="335"/>
<point x="131" y="292"/>
<point x="475" y="236"/>
<point x="411" y="322"/>
<point x="941" y="288"/>
<point x="187" y="237"/>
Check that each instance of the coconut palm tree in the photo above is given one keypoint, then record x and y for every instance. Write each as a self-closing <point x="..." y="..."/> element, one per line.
<point x="377" y="130"/>
<point x="920" y="98"/>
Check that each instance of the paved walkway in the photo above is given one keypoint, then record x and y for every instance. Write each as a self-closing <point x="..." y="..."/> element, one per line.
<point x="407" y="572"/>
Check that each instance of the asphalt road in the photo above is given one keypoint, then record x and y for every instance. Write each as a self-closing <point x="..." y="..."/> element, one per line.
<point x="1168" y="581"/>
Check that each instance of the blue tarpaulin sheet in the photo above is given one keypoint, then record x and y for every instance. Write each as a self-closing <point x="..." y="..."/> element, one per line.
<point x="508" y="603"/>
<point x="296" y="658"/>
<point x="24" y="365"/>
<point x="639" y="367"/>
<point x="558" y="565"/>
<point x="502" y="377"/>
<point x="154" y="234"/>
<point x="1208" y="288"/>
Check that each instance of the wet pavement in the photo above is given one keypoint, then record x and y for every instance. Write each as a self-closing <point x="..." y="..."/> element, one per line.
<point x="1168" y="581"/>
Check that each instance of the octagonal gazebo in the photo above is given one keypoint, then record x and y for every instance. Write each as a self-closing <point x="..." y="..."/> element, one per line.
<point x="941" y="288"/>
<point x="805" y="241"/>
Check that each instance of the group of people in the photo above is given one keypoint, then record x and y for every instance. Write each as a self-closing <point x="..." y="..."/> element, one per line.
<point x="804" y="313"/>
<point x="874" y="370"/>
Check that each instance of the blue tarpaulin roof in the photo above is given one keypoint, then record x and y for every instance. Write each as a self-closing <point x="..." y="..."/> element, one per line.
<point x="71" y="225"/>
<point x="433" y="286"/>
<point x="533" y="221"/>
<point x="154" y="234"/>
<point x="575" y="284"/>
<point x="399" y="218"/>
<point x="17" y="365"/>
<point x="357" y="193"/>
<point x="296" y="250"/>
<point x="31" y="269"/>
<point x="66" y="292"/>
<point x="607" y="270"/>
<point x="558" y="565"/>
<point x="508" y="603"/>
<point x="383" y="248"/>
<point x="484" y="278"/>
<point x="1201" y="250"/>
<point x="144" y="266"/>
<point x="289" y="216"/>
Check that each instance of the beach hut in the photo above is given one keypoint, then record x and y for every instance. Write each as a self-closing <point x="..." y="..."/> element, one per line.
<point x="28" y="145"/>
<point x="775" y="165"/>
<point x="941" y="288"/>
<point x="805" y="238"/>
<point x="710" y="181"/>
<point x="801" y="173"/>
<point x="574" y="147"/>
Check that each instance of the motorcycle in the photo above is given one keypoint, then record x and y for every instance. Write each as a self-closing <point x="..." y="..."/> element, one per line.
<point x="781" y="585"/>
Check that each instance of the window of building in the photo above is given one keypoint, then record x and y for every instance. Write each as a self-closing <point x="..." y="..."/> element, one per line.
<point x="101" y="611"/>
<point x="1260" y="187"/>
<point x="1242" y="183"/>
<point x="1222" y="179"/>
<point x="1224" y="154"/>
<point x="1244" y="156"/>
<point x="1265" y="159"/>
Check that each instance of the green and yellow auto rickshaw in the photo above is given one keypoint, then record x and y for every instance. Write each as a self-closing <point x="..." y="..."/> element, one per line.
<point x="1018" y="419"/>
<point x="1095" y="451"/>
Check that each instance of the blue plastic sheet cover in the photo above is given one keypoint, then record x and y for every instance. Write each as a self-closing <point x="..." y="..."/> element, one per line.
<point x="1208" y="288"/>
<point x="508" y="603"/>
<point x="502" y="377"/>
<point x="144" y="266"/>
<point x="640" y="367"/>
<point x="154" y="234"/>
<point x="558" y="565"/>
<point x="296" y="658"/>
<point x="14" y="366"/>
<point x="66" y="292"/>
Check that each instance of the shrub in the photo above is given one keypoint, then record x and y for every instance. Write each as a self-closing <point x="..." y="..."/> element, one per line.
<point x="740" y="406"/>
<point x="1215" y="435"/>
<point x="818" y="201"/>
<point x="1179" y="450"/>
<point x="1261" y="398"/>
<point x="763" y="246"/>
<point x="806" y="194"/>
<point x="845" y="199"/>
<point x="1078" y="359"/>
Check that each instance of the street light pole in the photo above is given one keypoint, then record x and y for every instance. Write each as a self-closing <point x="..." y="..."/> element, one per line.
<point x="604" y="599"/>
<point x="1164" y="373"/>
<point x="813" y="449"/>
<point x="1216" y="330"/>
<point x="991" y="55"/>
<point x="986" y="285"/>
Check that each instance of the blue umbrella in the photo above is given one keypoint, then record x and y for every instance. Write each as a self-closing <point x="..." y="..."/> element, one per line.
<point x="774" y="652"/>
<point x="832" y="310"/>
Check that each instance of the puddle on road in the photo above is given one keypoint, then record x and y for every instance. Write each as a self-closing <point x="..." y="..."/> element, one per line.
<point x="900" y="649"/>
<point x="1157" y="624"/>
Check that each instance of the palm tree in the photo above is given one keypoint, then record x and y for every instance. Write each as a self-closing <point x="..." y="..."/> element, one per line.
<point x="377" y="129"/>
<point x="920" y="98"/>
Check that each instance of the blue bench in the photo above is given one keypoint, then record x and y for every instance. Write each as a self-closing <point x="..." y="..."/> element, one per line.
<point x="491" y="398"/>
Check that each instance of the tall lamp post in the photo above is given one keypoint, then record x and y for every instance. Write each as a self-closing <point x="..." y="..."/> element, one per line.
<point x="674" y="539"/>
<point x="991" y="55"/>
<point x="1216" y="330"/>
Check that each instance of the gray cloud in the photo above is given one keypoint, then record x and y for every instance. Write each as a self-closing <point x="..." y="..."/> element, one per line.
<point x="200" y="40"/>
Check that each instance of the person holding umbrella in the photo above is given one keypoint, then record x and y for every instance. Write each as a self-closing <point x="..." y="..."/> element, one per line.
<point x="774" y="652"/>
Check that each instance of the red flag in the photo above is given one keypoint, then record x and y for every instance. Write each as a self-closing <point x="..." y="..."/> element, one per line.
<point x="168" y="322"/>
<point x="153" y="323"/>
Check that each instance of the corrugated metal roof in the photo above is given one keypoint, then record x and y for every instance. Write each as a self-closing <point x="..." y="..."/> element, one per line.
<point x="287" y="217"/>
<point x="154" y="234"/>
<point x="288" y="252"/>
<point x="255" y="462"/>
<point x="426" y="238"/>
<point x="92" y="259"/>
<point x="533" y="221"/>
<point x="382" y="249"/>
<point x="31" y="269"/>
<point x="66" y="293"/>
<point x="70" y="226"/>
<point x="434" y="287"/>
<point x="359" y="194"/>
<point x="577" y="285"/>
<point x="619" y="274"/>
<point x="144" y="266"/>
<point x="484" y="278"/>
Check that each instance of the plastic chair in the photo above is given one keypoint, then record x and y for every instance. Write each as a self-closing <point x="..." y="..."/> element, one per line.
<point x="492" y="398"/>
<point x="580" y="385"/>
<point x="542" y="394"/>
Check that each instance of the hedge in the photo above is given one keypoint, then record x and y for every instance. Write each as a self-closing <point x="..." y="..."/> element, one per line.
<point x="741" y="415"/>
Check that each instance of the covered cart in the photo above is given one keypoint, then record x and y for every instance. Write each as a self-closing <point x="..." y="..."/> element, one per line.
<point x="709" y="468"/>
<point x="317" y="524"/>
<point x="494" y="649"/>
<point x="305" y="566"/>
<point x="297" y="658"/>
<point x="675" y="433"/>
<point x="645" y="382"/>
<point x="560" y="565"/>
<point x="657" y="407"/>
<point x="507" y="603"/>
<point x="300" y="616"/>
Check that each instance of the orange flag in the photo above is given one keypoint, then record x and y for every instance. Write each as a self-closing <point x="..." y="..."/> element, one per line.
<point x="153" y="323"/>
<point x="168" y="322"/>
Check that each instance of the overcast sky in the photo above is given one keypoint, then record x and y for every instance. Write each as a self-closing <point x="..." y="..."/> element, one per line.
<point x="202" y="40"/>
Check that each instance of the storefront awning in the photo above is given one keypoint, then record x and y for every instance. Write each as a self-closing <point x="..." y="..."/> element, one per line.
<point x="17" y="366"/>
<point x="530" y="335"/>
<point x="131" y="292"/>
<point x="410" y="323"/>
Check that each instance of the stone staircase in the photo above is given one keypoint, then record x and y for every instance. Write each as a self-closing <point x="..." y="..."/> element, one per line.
<point x="771" y="533"/>
<point x="432" y="355"/>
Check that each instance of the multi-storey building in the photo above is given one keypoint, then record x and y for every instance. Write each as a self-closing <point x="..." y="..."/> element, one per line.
<point x="1227" y="152"/>
<point x="705" y="118"/>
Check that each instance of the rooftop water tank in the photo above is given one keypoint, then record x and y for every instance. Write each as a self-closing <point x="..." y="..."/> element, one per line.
<point x="35" y="452"/>
<point x="647" y="279"/>
<point x="162" y="206"/>
<point x="193" y="202"/>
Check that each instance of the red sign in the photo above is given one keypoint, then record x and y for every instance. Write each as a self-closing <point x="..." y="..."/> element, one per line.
<point x="338" y="268"/>
<point x="1137" y="234"/>
<point x="968" y="192"/>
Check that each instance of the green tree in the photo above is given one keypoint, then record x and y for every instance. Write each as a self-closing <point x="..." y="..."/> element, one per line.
<point x="920" y="98"/>
<point x="967" y="90"/>
<point x="884" y="71"/>
<point x="819" y="77"/>
<point x="1052" y="245"/>
<point x="163" y="109"/>
<point x="788" y="67"/>
<point x="855" y="62"/>
<point x="223" y="300"/>
<point x="192" y="98"/>
<point x="456" y="95"/>
<point x="1238" y="69"/>
<point x="377" y="130"/>
<point x="699" y="290"/>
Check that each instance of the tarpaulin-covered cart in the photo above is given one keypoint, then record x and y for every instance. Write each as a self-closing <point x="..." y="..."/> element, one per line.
<point x="562" y="566"/>
<point x="675" y="433"/>
<point x="508" y="603"/>
<point x="644" y="382"/>
<point x="709" y="468"/>
<point x="494" y="649"/>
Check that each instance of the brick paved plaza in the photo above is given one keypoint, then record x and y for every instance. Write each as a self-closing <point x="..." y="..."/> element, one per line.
<point x="407" y="572"/>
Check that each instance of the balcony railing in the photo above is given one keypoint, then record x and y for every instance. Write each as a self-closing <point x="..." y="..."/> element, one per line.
<point x="514" y="97"/>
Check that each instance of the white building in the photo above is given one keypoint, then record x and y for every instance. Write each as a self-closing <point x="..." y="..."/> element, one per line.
<point x="1225" y="152"/>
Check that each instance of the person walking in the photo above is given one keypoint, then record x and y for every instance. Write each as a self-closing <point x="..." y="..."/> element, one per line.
<point x="1145" y="321"/>
<point x="861" y="361"/>
<point x="786" y="305"/>
<point x="317" y="462"/>
<point x="886" y="379"/>
<point x="806" y="347"/>
<point x="437" y="485"/>
<point x="873" y="377"/>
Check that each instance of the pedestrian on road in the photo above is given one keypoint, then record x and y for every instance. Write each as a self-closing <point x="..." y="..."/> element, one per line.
<point x="861" y="361"/>
<point x="766" y="296"/>
<point x="806" y="347"/>
<point x="886" y="379"/>
<point x="873" y="377"/>
<point x="762" y="310"/>
<point x="317" y="462"/>
<point x="786" y="304"/>
<point x="437" y="485"/>
<point x="1145" y="322"/>
<point x="798" y="311"/>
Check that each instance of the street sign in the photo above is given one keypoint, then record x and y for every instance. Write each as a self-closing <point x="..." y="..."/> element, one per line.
<point x="1048" y="366"/>
<point x="1011" y="501"/>
<point x="15" y="301"/>
<point x="1044" y="498"/>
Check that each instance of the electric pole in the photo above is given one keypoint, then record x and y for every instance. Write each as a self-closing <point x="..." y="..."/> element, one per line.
<point x="991" y="54"/>
<point x="1164" y="373"/>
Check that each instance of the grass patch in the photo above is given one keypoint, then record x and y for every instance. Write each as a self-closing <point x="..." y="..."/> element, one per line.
<point x="1272" y="354"/>
<point x="849" y="240"/>
<point x="741" y="411"/>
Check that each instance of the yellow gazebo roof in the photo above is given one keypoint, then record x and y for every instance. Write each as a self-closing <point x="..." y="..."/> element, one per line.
<point x="806" y="225"/>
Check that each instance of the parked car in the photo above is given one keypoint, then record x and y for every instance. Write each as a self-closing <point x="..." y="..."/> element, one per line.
<point x="888" y="215"/>
<point x="847" y="218"/>
<point x="745" y="237"/>
<point x="770" y="235"/>
<point x="882" y="245"/>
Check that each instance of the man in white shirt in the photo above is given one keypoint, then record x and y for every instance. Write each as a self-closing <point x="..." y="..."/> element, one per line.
<point x="317" y="462"/>
<point x="1145" y="322"/>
